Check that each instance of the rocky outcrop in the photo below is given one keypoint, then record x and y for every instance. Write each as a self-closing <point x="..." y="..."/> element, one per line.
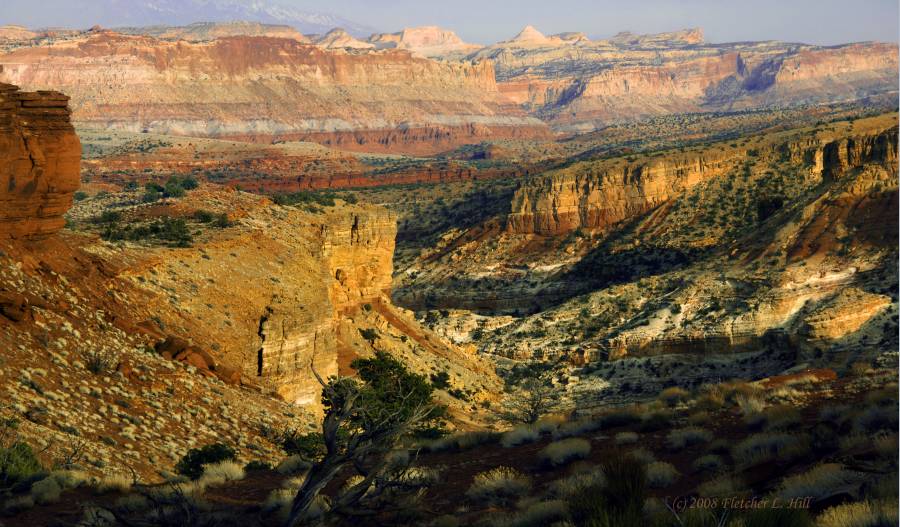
<point x="39" y="162"/>
<point x="429" y="41"/>
<point x="599" y="194"/>
<point x="264" y="89"/>
<point x="579" y="85"/>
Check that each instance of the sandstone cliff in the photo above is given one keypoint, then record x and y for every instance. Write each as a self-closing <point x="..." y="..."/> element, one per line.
<point x="579" y="85"/>
<point x="39" y="162"/>
<point x="261" y="89"/>
<point x="598" y="195"/>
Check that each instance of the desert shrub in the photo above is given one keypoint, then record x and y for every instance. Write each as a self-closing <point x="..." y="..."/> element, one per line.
<point x="538" y="514"/>
<point x="520" y="435"/>
<point x="626" y="438"/>
<point x="781" y="417"/>
<point x="721" y="486"/>
<point x="750" y="404"/>
<point x="293" y="465"/>
<point x="618" y="503"/>
<point x="221" y="472"/>
<point x="80" y="195"/>
<point x="114" y="483"/>
<point x="565" y="450"/>
<point x="462" y="441"/>
<point x="673" y="395"/>
<point x="877" y="418"/>
<point x="18" y="463"/>
<point x="548" y="425"/>
<point x="257" y="465"/>
<point x="818" y="482"/>
<point x="768" y="446"/>
<point x="191" y="465"/>
<point x="699" y="418"/>
<point x="642" y="455"/>
<point x="619" y="418"/>
<point x="501" y="485"/>
<point x="860" y="514"/>
<point x="655" y="422"/>
<point x="710" y="462"/>
<point x="47" y="490"/>
<point x="575" y="428"/>
<point x="100" y="360"/>
<point x="570" y="485"/>
<point x="661" y="474"/>
<point x="685" y="437"/>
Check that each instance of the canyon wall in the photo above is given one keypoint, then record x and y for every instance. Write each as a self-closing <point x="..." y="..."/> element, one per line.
<point x="600" y="194"/>
<point x="266" y="89"/>
<point x="583" y="85"/>
<point x="39" y="162"/>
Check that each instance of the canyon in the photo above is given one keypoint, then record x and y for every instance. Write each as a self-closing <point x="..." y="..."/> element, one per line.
<point x="426" y="91"/>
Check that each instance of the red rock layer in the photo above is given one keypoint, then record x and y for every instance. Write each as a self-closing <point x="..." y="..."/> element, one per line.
<point x="39" y="162"/>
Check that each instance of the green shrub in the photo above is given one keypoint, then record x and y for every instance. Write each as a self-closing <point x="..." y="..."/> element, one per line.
<point x="18" y="463"/>
<point x="191" y="465"/>
<point x="80" y="195"/>
<point x="618" y="503"/>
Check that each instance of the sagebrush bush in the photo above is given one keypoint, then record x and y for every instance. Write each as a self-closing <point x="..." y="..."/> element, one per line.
<point x="685" y="437"/>
<point x="565" y="450"/>
<point x="674" y="395"/>
<point x="191" y="465"/>
<point x="538" y="515"/>
<point x="709" y="462"/>
<point x="500" y="485"/>
<point x="860" y="514"/>
<point x="576" y="428"/>
<point x="461" y="441"/>
<point x="520" y="435"/>
<point x="570" y="485"/>
<point x="768" y="446"/>
<point x="222" y="472"/>
<point x="722" y="486"/>
<point x="661" y="474"/>
<point x="818" y="482"/>
<point x="293" y="465"/>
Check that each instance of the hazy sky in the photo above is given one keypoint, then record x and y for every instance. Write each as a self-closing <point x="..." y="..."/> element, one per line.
<point x="487" y="21"/>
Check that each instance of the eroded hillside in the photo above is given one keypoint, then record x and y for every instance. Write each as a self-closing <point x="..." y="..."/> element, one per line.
<point x="743" y="258"/>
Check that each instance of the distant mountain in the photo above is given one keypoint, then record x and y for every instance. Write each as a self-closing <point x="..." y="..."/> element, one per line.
<point x="117" y="13"/>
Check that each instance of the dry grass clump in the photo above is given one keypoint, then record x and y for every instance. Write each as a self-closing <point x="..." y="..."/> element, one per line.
<point x="819" y="482"/>
<point x="293" y="465"/>
<point x="537" y="514"/>
<point x="708" y="463"/>
<point x="769" y="446"/>
<point x="571" y="485"/>
<point x="673" y="396"/>
<point x="501" y="485"/>
<point x="722" y="486"/>
<point x="222" y="472"/>
<point x="627" y="438"/>
<point x="114" y="483"/>
<point x="642" y="455"/>
<point x="860" y="514"/>
<point x="576" y="428"/>
<point x="661" y="474"/>
<point x="565" y="450"/>
<point x="685" y="437"/>
<point x="520" y="435"/>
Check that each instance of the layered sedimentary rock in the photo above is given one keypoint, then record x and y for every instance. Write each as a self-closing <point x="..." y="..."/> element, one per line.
<point x="430" y="41"/>
<point x="39" y="162"/>
<point x="263" y="89"/>
<point x="600" y="194"/>
<point x="578" y="85"/>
